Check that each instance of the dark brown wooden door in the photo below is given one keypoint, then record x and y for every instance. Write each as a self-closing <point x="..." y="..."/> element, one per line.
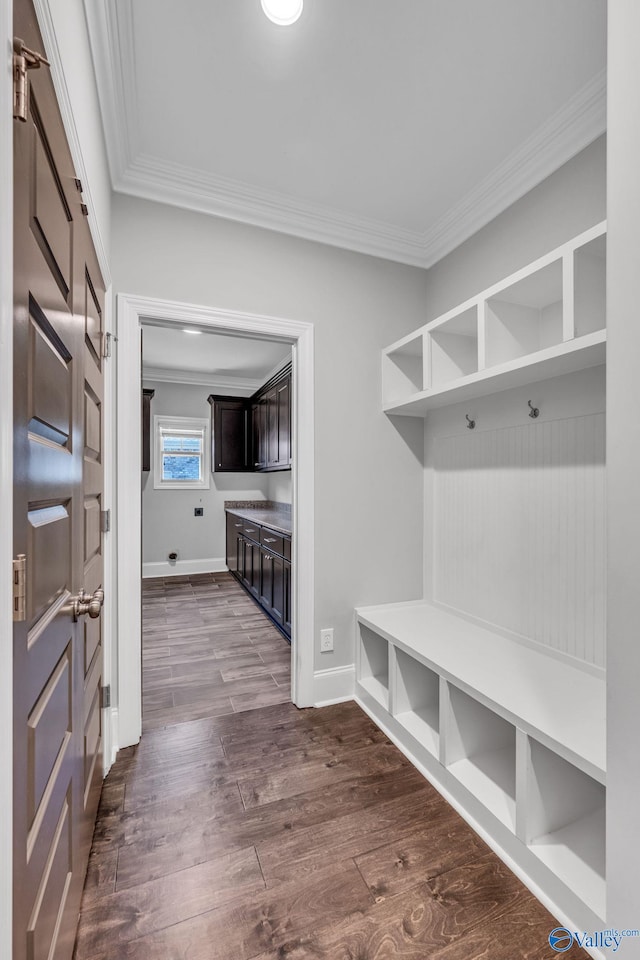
<point x="57" y="525"/>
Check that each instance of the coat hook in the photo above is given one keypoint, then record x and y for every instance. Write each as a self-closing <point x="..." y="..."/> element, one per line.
<point x="471" y="424"/>
<point x="533" y="411"/>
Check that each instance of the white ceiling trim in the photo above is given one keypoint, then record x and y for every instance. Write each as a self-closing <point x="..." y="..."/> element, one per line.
<point x="562" y="136"/>
<point x="568" y="131"/>
<point x="200" y="378"/>
<point x="182" y="186"/>
<point x="111" y="36"/>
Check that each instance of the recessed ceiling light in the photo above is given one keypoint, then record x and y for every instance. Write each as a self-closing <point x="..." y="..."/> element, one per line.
<point x="194" y="332"/>
<point x="282" y="12"/>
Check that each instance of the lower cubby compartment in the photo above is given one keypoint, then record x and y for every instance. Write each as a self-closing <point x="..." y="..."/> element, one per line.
<point x="565" y="823"/>
<point x="417" y="701"/>
<point x="373" y="673"/>
<point x="480" y="752"/>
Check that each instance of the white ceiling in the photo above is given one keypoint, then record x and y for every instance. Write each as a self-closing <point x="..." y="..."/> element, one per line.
<point x="237" y="364"/>
<point x="395" y="127"/>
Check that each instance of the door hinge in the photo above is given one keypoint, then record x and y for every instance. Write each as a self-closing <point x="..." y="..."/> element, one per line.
<point x="23" y="60"/>
<point x="85" y="209"/>
<point x="107" y="340"/>
<point x="20" y="588"/>
<point x="105" y="696"/>
<point x="105" y="521"/>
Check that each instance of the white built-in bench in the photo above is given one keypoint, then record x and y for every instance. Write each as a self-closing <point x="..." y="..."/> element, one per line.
<point x="513" y="735"/>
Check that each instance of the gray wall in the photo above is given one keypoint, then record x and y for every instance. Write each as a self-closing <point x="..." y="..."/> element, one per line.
<point x="569" y="201"/>
<point x="566" y="203"/>
<point x="168" y="522"/>
<point x="368" y="481"/>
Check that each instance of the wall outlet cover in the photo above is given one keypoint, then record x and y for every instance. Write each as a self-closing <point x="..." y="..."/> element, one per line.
<point x="326" y="640"/>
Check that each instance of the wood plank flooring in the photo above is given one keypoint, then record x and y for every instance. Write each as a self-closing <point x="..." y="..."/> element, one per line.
<point x="208" y="651"/>
<point x="281" y="834"/>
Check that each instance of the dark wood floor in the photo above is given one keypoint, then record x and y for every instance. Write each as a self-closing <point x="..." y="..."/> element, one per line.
<point x="208" y="650"/>
<point x="281" y="834"/>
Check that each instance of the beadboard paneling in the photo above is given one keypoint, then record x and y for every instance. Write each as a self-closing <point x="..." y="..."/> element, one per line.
<point x="519" y="530"/>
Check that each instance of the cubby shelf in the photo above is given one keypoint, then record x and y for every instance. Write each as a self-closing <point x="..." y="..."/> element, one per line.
<point x="480" y="751"/>
<point x="546" y="320"/>
<point x="417" y="701"/>
<point x="576" y="854"/>
<point x="374" y="667"/>
<point x="491" y="778"/>
<point x="520" y="749"/>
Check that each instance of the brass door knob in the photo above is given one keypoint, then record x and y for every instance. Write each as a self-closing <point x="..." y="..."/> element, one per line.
<point x="88" y="604"/>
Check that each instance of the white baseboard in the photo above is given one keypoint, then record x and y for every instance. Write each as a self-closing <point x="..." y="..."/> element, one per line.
<point x="113" y="739"/>
<point x="334" y="685"/>
<point x="182" y="568"/>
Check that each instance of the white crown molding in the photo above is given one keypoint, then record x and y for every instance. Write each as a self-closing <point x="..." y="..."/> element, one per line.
<point x="111" y="37"/>
<point x="200" y="378"/>
<point x="573" y="127"/>
<point x="181" y="186"/>
<point x="45" y="22"/>
<point x="579" y="122"/>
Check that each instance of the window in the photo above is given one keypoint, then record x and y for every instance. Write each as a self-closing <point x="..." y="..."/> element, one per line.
<point x="181" y="459"/>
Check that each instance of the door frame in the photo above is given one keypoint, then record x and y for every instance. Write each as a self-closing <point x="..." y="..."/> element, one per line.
<point x="6" y="480"/>
<point x="131" y="311"/>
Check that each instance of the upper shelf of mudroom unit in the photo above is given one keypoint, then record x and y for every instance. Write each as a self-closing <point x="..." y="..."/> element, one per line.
<point x="544" y="320"/>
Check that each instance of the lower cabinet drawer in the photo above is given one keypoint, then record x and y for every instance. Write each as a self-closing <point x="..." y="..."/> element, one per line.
<point x="271" y="540"/>
<point x="251" y="531"/>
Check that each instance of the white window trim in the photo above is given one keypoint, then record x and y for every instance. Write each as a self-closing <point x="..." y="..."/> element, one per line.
<point x="180" y="424"/>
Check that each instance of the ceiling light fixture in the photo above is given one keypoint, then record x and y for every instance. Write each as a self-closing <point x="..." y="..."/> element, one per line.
<point x="282" y="12"/>
<point x="194" y="332"/>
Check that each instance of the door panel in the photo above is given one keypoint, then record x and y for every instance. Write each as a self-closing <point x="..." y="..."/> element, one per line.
<point x="58" y="292"/>
<point x="51" y="219"/>
<point x="49" y="729"/>
<point x="47" y="921"/>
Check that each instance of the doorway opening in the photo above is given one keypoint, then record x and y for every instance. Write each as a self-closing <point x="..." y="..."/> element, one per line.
<point x="132" y="314"/>
<point x="216" y="523"/>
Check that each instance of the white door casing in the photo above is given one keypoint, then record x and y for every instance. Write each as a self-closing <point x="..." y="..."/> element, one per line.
<point x="131" y="311"/>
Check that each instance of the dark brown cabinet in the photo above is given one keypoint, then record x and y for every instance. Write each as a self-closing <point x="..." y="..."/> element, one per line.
<point x="147" y="397"/>
<point x="253" y="434"/>
<point x="256" y="556"/>
<point x="259" y="433"/>
<point x="229" y="447"/>
<point x="234" y="531"/>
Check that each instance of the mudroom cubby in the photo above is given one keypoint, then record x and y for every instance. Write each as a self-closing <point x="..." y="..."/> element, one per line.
<point x="512" y="734"/>
<point x="590" y="268"/>
<point x="454" y="348"/>
<point x="417" y="701"/>
<point x="494" y="684"/>
<point x="374" y="667"/>
<point x="565" y="822"/>
<point x="480" y="752"/>
<point x="542" y="321"/>
<point x="403" y="368"/>
<point x="525" y="316"/>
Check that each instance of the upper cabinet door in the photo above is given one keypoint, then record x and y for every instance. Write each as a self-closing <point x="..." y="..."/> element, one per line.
<point x="229" y="435"/>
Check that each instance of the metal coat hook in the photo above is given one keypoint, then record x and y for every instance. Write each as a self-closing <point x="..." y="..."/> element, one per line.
<point x="471" y="424"/>
<point x="533" y="411"/>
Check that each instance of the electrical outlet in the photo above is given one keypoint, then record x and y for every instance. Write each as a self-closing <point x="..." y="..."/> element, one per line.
<point x="326" y="640"/>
